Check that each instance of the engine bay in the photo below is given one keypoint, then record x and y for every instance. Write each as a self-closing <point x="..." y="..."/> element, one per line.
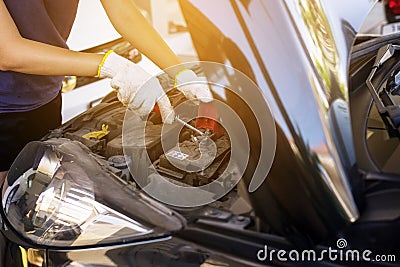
<point x="181" y="162"/>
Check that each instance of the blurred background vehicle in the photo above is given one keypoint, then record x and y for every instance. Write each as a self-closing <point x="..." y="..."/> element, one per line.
<point x="384" y="18"/>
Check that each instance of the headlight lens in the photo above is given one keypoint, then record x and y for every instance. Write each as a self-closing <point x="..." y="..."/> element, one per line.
<point x="58" y="196"/>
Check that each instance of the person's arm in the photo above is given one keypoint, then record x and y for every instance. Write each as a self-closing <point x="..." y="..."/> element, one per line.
<point x="134" y="27"/>
<point x="26" y="56"/>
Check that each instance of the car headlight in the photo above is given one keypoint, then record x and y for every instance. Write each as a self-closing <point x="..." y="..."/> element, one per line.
<point x="59" y="195"/>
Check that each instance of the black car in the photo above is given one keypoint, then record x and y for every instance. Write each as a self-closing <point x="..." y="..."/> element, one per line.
<point x="303" y="137"/>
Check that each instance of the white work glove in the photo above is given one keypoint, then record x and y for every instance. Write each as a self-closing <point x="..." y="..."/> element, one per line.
<point x="136" y="88"/>
<point x="193" y="87"/>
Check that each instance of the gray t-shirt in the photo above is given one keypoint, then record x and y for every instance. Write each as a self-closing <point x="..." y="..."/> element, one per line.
<point x="46" y="21"/>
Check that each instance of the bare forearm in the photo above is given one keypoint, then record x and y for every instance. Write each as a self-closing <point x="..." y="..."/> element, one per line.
<point x="26" y="56"/>
<point x="134" y="27"/>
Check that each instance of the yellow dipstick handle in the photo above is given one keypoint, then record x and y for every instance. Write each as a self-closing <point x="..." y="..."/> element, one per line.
<point x="97" y="135"/>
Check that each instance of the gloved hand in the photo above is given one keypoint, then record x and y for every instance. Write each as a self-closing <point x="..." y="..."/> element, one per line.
<point x="136" y="88"/>
<point x="192" y="86"/>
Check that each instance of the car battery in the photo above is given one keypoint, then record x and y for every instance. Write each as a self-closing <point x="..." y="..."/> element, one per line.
<point x="182" y="162"/>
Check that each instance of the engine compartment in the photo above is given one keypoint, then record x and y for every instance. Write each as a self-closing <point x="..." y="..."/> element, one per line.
<point x="101" y="130"/>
